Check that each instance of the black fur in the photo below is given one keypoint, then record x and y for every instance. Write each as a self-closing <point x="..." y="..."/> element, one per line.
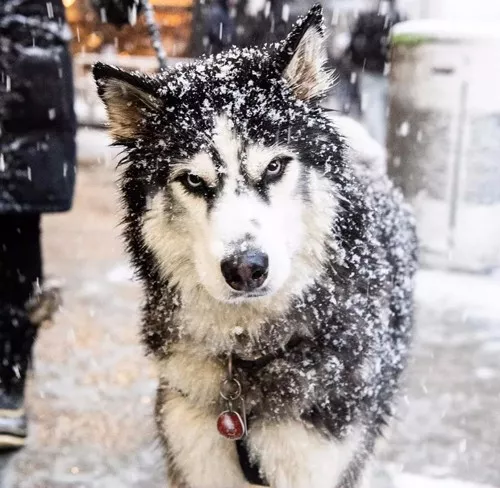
<point x="320" y="348"/>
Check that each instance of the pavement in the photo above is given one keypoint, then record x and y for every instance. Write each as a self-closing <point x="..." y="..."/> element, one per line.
<point x="91" y="397"/>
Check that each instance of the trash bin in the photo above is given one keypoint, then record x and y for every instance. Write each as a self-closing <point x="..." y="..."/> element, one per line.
<point x="444" y="138"/>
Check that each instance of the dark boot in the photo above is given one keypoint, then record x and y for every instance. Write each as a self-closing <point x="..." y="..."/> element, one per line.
<point x="16" y="342"/>
<point x="20" y="329"/>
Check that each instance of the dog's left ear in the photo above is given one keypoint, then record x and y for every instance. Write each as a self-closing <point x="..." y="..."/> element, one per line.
<point x="302" y="57"/>
<point x="128" y="98"/>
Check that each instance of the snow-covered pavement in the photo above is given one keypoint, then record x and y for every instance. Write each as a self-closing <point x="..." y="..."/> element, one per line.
<point x="450" y="425"/>
<point x="407" y="480"/>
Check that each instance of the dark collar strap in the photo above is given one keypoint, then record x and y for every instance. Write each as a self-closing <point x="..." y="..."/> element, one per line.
<point x="250" y="471"/>
<point x="256" y="364"/>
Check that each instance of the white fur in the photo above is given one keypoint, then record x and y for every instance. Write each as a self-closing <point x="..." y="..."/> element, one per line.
<point x="194" y="373"/>
<point x="227" y="144"/>
<point x="190" y="246"/>
<point x="201" y="165"/>
<point x="367" y="155"/>
<point x="293" y="455"/>
<point x="366" y="476"/>
<point x="238" y="215"/>
<point x="189" y="242"/>
<point x="206" y="459"/>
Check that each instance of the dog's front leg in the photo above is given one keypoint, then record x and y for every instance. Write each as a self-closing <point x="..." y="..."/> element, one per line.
<point x="294" y="455"/>
<point x="291" y="452"/>
<point x="201" y="457"/>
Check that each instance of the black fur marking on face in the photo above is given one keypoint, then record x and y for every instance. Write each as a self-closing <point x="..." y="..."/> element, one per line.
<point x="195" y="185"/>
<point x="242" y="152"/>
<point x="304" y="183"/>
<point x="216" y="160"/>
<point x="241" y="184"/>
<point x="263" y="191"/>
<point x="271" y="175"/>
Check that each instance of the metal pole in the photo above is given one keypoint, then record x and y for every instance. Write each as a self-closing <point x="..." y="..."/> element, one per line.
<point x="154" y="33"/>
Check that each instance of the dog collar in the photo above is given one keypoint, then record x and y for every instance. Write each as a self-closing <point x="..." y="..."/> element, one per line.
<point x="232" y="422"/>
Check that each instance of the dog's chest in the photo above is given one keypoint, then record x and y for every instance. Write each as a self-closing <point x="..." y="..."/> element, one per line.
<point x="194" y="374"/>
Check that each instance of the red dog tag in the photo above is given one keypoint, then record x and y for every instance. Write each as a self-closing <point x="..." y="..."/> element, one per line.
<point x="230" y="425"/>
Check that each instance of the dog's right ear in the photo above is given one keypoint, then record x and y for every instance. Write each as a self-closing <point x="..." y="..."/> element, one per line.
<point x="128" y="98"/>
<point x="301" y="57"/>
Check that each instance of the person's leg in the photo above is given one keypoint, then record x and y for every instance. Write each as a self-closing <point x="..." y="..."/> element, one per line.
<point x="20" y="274"/>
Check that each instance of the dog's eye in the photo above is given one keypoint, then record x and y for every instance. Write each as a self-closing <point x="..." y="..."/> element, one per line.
<point x="193" y="181"/>
<point x="276" y="168"/>
<point x="196" y="185"/>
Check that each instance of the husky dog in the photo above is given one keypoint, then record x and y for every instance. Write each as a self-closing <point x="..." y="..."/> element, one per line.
<point x="277" y="274"/>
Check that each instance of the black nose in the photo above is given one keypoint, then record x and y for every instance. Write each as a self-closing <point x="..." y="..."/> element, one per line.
<point x="247" y="271"/>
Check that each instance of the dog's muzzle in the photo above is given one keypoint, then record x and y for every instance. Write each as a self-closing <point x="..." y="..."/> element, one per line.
<point x="246" y="271"/>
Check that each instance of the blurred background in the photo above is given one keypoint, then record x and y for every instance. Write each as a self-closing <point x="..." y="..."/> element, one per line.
<point x="422" y="78"/>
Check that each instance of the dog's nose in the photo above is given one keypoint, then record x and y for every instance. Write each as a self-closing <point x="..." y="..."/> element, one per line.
<point x="247" y="271"/>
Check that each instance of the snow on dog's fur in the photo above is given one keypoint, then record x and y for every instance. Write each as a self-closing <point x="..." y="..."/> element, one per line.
<point x="254" y="234"/>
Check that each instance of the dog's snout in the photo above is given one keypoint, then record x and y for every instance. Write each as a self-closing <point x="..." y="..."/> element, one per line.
<point x="247" y="271"/>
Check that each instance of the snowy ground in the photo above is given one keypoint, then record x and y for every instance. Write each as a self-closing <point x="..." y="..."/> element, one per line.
<point x="91" y="398"/>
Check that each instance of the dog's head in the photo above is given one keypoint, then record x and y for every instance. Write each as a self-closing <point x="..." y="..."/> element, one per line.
<point x="228" y="176"/>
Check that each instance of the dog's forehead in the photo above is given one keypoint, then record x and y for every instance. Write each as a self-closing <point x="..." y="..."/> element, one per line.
<point x="240" y="85"/>
<point x="244" y="87"/>
<point x="243" y="83"/>
<point x="222" y="74"/>
<point x="231" y="155"/>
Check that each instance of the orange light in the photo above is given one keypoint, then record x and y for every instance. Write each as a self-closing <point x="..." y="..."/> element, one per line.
<point x="93" y="40"/>
<point x="68" y="3"/>
<point x="173" y="3"/>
